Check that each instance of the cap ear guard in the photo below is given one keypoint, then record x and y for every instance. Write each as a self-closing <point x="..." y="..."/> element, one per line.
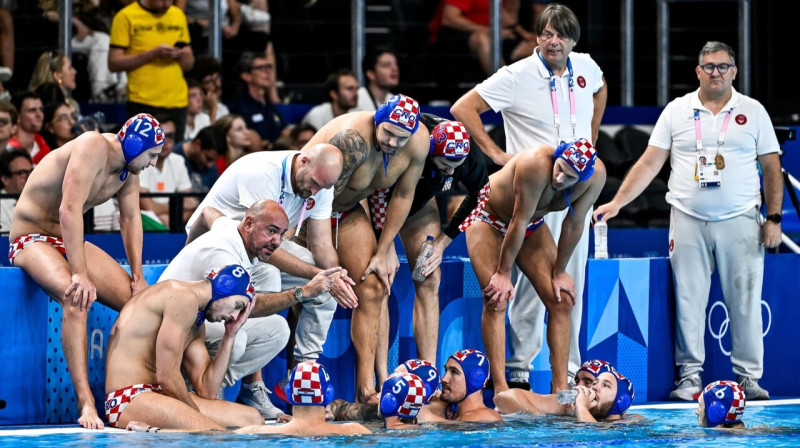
<point x="716" y="413"/>
<point x="402" y="395"/>
<point x="389" y="405"/>
<point x="131" y="146"/>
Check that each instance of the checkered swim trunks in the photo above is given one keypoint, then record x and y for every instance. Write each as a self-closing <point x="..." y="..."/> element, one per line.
<point x="479" y="214"/>
<point x="21" y="242"/>
<point x="117" y="401"/>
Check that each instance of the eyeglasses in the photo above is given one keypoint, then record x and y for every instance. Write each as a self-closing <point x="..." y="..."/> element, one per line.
<point x="25" y="173"/>
<point x="5" y="122"/>
<point x="169" y="135"/>
<point x="262" y="67"/>
<point x="723" y="68"/>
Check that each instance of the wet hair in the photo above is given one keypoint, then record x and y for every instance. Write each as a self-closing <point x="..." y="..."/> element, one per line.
<point x="10" y="109"/>
<point x="714" y="46"/>
<point x="561" y="18"/>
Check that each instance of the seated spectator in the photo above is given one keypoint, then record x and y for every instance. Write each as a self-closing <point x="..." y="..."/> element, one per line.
<point x="8" y="122"/>
<point x="382" y="75"/>
<point x="29" y="124"/>
<point x="54" y="67"/>
<point x="15" y="167"/>
<point x="464" y="24"/>
<point x="200" y="156"/>
<point x="196" y="119"/>
<point x="342" y="88"/>
<point x="90" y="37"/>
<point x="233" y="140"/>
<point x="169" y="176"/>
<point x="59" y="124"/>
<point x="297" y="138"/>
<point x="253" y="102"/>
<point x="208" y="71"/>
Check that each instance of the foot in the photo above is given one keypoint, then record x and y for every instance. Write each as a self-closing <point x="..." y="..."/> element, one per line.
<point x="752" y="391"/>
<point x="686" y="388"/>
<point x="89" y="418"/>
<point x="256" y="395"/>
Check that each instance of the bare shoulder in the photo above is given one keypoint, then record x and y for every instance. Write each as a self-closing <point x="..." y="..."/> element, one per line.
<point x="484" y="415"/>
<point x="539" y="158"/>
<point x="354" y="428"/>
<point x="91" y="147"/>
<point x="419" y="144"/>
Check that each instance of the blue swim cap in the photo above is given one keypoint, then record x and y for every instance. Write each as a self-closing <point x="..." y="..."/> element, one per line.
<point x="401" y="111"/>
<point x="309" y="385"/>
<point x="402" y="395"/>
<point x="427" y="372"/>
<point x="140" y="133"/>
<point x="624" y="396"/>
<point x="724" y="401"/>
<point x="595" y="367"/>
<point x="227" y="281"/>
<point x="450" y="139"/>
<point x="475" y="366"/>
<point x="580" y="155"/>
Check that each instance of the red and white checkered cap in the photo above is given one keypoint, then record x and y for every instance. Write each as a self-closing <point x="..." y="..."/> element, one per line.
<point x="450" y="139"/>
<point x="415" y="397"/>
<point x="308" y="384"/>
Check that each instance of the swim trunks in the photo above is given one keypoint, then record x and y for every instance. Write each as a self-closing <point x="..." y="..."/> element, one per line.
<point x="117" y="401"/>
<point x="22" y="241"/>
<point x="482" y="215"/>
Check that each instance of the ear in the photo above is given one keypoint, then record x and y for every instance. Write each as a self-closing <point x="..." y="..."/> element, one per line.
<point x="370" y="75"/>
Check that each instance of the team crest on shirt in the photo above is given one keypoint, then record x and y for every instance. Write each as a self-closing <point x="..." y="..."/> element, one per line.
<point x="310" y="203"/>
<point x="581" y="82"/>
<point x="741" y="119"/>
<point x="671" y="245"/>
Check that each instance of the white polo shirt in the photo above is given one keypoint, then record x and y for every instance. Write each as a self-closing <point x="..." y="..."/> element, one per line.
<point x="521" y="91"/>
<point x="255" y="177"/>
<point x="220" y="246"/>
<point x="173" y="177"/>
<point x="749" y="135"/>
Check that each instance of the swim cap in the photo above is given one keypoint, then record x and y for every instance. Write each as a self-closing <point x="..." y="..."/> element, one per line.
<point x="427" y="372"/>
<point x="401" y="111"/>
<point x="140" y="133"/>
<point x="227" y="281"/>
<point x="724" y="402"/>
<point x="475" y="366"/>
<point x="595" y="367"/>
<point x="624" y="396"/>
<point x="580" y="155"/>
<point x="450" y="139"/>
<point x="402" y="395"/>
<point x="309" y="385"/>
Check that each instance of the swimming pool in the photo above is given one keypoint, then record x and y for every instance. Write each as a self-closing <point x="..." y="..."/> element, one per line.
<point x="773" y="425"/>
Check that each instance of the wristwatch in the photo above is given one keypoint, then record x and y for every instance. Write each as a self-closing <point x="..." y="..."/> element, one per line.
<point x="298" y="294"/>
<point x="776" y="218"/>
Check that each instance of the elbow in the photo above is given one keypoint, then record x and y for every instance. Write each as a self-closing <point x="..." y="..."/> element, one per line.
<point x="208" y="393"/>
<point x="114" y="66"/>
<point x="503" y="402"/>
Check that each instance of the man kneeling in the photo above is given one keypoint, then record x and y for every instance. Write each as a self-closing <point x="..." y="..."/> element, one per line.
<point x="161" y="330"/>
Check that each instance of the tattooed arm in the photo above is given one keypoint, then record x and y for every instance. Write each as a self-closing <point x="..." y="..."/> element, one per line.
<point x="354" y="152"/>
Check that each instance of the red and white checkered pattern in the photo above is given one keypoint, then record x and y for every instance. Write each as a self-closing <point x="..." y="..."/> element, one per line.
<point x="405" y="113"/>
<point x="412" y="364"/>
<point x="21" y="242"/>
<point x="595" y="366"/>
<point x="117" y="401"/>
<point x="306" y="384"/>
<point x="737" y="406"/>
<point x="156" y="126"/>
<point x="483" y="197"/>
<point x="579" y="154"/>
<point x="415" y="398"/>
<point x="378" y="203"/>
<point x="461" y="355"/>
<point x="450" y="139"/>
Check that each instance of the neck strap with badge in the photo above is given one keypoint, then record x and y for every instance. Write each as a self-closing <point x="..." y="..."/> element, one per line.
<point x="708" y="173"/>
<point x="554" y="97"/>
<point x="283" y="194"/>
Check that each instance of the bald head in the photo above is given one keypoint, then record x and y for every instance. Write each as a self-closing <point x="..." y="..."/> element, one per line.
<point x="262" y="228"/>
<point x="318" y="167"/>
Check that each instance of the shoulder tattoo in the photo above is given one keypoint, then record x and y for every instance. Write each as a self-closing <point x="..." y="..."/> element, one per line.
<point x="354" y="152"/>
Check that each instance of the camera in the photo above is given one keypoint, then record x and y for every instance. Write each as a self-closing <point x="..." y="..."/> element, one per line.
<point x="90" y="122"/>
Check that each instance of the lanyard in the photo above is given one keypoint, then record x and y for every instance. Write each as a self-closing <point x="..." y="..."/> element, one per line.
<point x="554" y="97"/>
<point x="699" y="138"/>
<point x="283" y="193"/>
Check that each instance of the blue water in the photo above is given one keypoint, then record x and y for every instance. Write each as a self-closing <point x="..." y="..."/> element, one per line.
<point x="774" y="426"/>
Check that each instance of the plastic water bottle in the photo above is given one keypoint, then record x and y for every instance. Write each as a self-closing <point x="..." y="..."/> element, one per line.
<point x="567" y="396"/>
<point x="600" y="240"/>
<point x="424" y="253"/>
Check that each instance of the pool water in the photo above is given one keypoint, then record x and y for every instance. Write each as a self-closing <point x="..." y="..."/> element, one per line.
<point x="775" y="426"/>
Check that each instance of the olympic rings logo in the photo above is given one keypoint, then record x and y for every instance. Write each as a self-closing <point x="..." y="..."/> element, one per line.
<point x="723" y="327"/>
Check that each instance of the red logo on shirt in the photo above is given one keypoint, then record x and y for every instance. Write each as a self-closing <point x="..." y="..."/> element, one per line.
<point x="671" y="245"/>
<point x="581" y="82"/>
<point x="310" y="203"/>
<point x="741" y="119"/>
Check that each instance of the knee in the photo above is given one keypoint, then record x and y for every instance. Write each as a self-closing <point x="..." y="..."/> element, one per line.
<point x="73" y="313"/>
<point x="370" y="291"/>
<point x="430" y="286"/>
<point x="478" y="41"/>
<point x="252" y="417"/>
<point x="239" y="346"/>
